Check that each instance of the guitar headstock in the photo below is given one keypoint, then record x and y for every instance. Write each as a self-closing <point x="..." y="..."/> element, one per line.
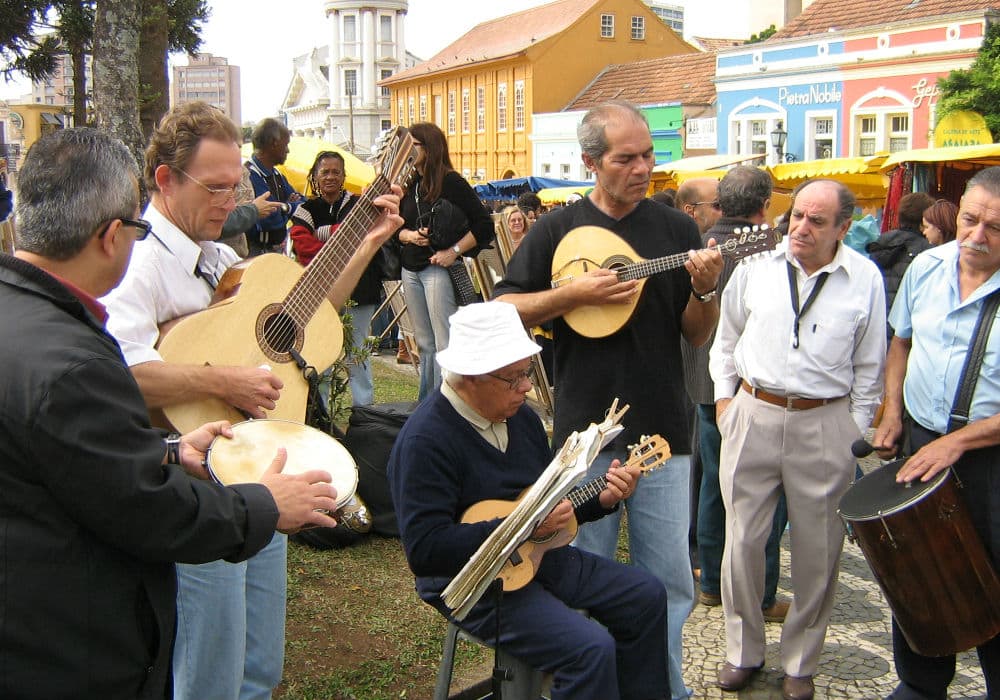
<point x="750" y="240"/>
<point x="649" y="454"/>
<point x="393" y="156"/>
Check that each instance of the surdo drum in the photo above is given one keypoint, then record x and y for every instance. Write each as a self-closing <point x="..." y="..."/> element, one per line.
<point x="928" y="559"/>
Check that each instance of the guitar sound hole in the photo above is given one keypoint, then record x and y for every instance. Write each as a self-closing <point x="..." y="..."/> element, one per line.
<point x="277" y="333"/>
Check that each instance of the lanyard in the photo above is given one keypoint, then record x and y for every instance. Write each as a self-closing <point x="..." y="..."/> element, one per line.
<point x="793" y="285"/>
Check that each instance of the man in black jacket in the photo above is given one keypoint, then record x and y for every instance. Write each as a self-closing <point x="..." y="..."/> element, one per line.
<point x="95" y="506"/>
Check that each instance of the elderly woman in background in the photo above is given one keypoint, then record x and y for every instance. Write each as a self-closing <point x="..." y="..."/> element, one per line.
<point x="939" y="222"/>
<point x="516" y="223"/>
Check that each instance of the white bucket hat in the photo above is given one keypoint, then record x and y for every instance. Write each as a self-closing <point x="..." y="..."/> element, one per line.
<point x="485" y="337"/>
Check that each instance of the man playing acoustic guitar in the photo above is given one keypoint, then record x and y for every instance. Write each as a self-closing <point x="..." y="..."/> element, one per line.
<point x="231" y="617"/>
<point x="475" y="439"/>
<point x="639" y="363"/>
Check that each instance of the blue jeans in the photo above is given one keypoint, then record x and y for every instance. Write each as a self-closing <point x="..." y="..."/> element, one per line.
<point x="231" y="627"/>
<point x="430" y="301"/>
<point x="712" y="516"/>
<point x="658" y="518"/>
<point x="359" y="375"/>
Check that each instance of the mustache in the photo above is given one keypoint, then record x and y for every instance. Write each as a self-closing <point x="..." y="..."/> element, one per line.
<point x="978" y="247"/>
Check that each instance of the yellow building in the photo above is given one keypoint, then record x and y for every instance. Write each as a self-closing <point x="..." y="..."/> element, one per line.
<point x="483" y="88"/>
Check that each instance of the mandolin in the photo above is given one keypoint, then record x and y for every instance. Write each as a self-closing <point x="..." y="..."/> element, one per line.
<point x="517" y="572"/>
<point x="269" y="311"/>
<point x="588" y="247"/>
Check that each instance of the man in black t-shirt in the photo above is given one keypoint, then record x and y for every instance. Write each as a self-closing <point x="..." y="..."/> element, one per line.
<point x="640" y="363"/>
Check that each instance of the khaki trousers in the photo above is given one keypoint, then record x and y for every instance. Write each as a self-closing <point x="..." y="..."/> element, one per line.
<point x="807" y="453"/>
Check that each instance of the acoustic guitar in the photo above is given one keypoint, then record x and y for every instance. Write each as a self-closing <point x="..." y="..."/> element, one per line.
<point x="269" y="311"/>
<point x="517" y="572"/>
<point x="588" y="247"/>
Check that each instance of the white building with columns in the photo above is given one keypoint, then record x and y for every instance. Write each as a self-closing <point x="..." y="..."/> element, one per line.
<point x="333" y="93"/>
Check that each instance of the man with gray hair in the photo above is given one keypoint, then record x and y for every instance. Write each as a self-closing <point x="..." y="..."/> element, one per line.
<point x="943" y="294"/>
<point x="743" y="196"/>
<point x="95" y="505"/>
<point x="496" y="448"/>
<point x="640" y="363"/>
<point x="797" y="365"/>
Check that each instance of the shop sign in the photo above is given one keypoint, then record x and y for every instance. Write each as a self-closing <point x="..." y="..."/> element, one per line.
<point x="815" y="95"/>
<point x="961" y="129"/>
<point x="924" y="90"/>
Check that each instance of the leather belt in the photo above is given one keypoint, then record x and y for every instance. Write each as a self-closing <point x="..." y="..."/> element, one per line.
<point x="791" y="403"/>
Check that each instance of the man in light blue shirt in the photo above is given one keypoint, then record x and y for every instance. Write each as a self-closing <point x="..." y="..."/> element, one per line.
<point x="934" y="317"/>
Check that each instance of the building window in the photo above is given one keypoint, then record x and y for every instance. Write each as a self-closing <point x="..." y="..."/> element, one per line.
<point x="465" y="110"/>
<point x="451" y="112"/>
<point x="607" y="26"/>
<point x="546" y="169"/>
<point x="519" y="105"/>
<point x="502" y="107"/>
<point x="423" y="108"/>
<point x="899" y="132"/>
<point x="385" y="124"/>
<point x="867" y="135"/>
<point x="639" y="28"/>
<point x="480" y="109"/>
<point x="564" y="171"/>
<point x="410" y="112"/>
<point x="758" y="136"/>
<point x="350" y="81"/>
<point x="385" y="73"/>
<point x="385" y="29"/>
<point x="350" y="35"/>
<point x="821" y="134"/>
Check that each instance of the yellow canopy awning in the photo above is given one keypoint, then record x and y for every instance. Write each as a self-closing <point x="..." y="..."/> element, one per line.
<point x="709" y="162"/>
<point x="983" y="155"/>
<point x="860" y="174"/>
<point x="302" y="152"/>
<point x="558" y="195"/>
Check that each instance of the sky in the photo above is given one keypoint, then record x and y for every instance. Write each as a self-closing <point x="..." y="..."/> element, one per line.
<point x="262" y="37"/>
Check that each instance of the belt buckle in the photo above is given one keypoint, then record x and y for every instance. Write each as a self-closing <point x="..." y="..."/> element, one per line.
<point x="789" y="403"/>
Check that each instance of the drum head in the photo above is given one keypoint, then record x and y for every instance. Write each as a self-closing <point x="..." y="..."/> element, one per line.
<point x="877" y="493"/>
<point x="245" y="457"/>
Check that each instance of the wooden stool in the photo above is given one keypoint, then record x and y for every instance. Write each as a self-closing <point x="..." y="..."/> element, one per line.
<point x="523" y="683"/>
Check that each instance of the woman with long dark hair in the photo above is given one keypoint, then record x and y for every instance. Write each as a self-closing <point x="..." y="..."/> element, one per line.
<point x="427" y="286"/>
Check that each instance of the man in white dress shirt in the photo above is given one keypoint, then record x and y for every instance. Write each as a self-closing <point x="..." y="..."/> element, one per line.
<point x="230" y="617"/>
<point x="797" y="365"/>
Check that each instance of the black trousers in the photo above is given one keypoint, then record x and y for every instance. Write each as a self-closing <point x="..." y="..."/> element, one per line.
<point x="925" y="677"/>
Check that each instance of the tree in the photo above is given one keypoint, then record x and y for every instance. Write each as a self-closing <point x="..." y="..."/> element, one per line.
<point x="976" y="88"/>
<point x="764" y="35"/>
<point x="116" y="65"/>
<point x="168" y="25"/>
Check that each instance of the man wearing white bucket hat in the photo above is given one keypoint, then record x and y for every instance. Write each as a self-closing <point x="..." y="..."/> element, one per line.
<point x="474" y="439"/>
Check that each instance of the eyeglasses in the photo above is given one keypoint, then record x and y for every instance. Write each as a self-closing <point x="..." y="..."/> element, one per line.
<point x="217" y="195"/>
<point x="515" y="381"/>
<point x="141" y="226"/>
<point x="714" y="205"/>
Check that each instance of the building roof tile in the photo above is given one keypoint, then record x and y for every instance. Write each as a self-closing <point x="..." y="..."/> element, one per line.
<point x="501" y="37"/>
<point x="833" y="15"/>
<point x="685" y="78"/>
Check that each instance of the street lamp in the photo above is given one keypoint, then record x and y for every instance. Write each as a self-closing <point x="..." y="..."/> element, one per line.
<point x="778" y="137"/>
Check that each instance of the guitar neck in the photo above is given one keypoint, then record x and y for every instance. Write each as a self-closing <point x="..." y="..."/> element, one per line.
<point x="582" y="494"/>
<point x="315" y="283"/>
<point x="650" y="267"/>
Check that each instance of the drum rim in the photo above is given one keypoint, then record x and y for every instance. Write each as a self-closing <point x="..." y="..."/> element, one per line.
<point x="932" y="486"/>
<point x="342" y="499"/>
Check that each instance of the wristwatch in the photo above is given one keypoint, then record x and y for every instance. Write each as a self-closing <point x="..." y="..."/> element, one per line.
<point x="707" y="296"/>
<point x="173" y="448"/>
<point x="458" y="251"/>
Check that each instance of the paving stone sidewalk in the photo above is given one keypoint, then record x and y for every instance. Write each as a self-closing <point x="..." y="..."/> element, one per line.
<point x="857" y="657"/>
